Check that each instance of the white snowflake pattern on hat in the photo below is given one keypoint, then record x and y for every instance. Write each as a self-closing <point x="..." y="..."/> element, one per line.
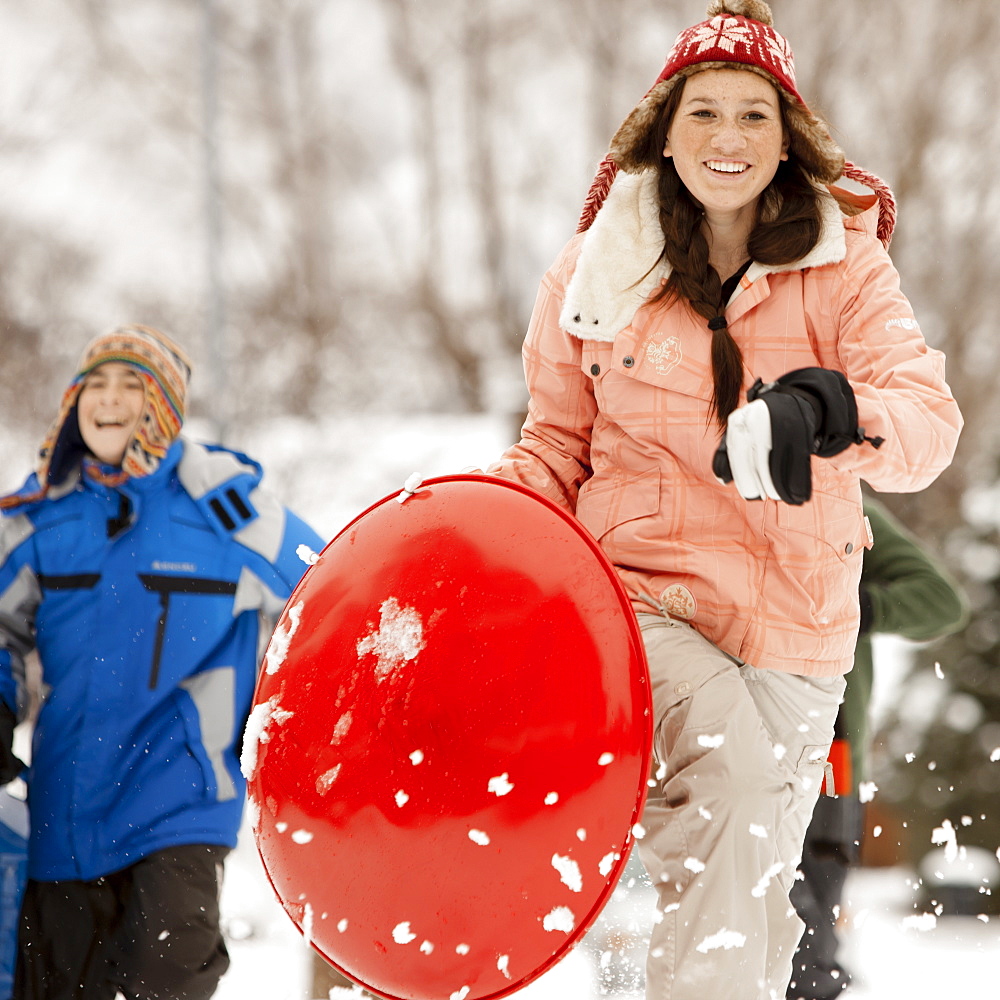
<point x="721" y="33"/>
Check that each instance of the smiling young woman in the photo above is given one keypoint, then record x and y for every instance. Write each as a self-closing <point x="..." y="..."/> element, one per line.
<point x="715" y="362"/>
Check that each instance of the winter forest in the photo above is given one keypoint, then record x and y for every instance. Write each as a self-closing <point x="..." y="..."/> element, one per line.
<point x="342" y="208"/>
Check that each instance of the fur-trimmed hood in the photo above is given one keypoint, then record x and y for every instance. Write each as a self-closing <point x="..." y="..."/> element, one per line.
<point x="620" y="262"/>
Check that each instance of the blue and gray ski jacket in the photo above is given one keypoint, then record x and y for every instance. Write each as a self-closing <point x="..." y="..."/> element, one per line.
<point x="145" y="604"/>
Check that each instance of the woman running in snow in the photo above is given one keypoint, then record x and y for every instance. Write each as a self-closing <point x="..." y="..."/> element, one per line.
<point x="715" y="362"/>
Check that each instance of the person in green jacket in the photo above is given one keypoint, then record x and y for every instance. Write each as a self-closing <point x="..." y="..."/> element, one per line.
<point x="906" y="592"/>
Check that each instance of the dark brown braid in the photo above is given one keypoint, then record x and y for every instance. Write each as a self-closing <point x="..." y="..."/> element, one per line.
<point x="787" y="228"/>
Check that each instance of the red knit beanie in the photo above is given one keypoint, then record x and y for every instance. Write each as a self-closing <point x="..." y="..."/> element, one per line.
<point x="738" y="33"/>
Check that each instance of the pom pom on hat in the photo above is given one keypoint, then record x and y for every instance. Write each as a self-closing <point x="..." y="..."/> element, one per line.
<point x="756" y="10"/>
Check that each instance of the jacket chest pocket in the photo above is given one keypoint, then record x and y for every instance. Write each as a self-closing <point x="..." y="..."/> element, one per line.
<point x="655" y="364"/>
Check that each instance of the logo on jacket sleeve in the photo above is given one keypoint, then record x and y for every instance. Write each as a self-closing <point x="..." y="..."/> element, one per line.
<point x="665" y="355"/>
<point x="678" y="602"/>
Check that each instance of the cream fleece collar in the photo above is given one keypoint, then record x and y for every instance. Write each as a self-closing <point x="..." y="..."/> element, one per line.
<point x="619" y="267"/>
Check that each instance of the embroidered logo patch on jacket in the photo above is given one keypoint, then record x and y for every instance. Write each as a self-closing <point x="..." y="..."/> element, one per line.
<point x="665" y="356"/>
<point x="678" y="601"/>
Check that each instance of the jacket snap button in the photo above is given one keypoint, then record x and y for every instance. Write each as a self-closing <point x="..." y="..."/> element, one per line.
<point x="849" y="548"/>
<point x="595" y="369"/>
<point x="628" y="361"/>
<point x="683" y="688"/>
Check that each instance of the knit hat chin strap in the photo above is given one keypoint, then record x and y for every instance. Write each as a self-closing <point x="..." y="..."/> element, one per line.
<point x="164" y="370"/>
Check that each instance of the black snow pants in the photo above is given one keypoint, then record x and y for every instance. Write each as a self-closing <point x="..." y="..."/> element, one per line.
<point x="150" y="931"/>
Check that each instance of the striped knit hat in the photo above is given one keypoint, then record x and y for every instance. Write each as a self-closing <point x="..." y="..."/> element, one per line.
<point x="738" y="34"/>
<point x="164" y="370"/>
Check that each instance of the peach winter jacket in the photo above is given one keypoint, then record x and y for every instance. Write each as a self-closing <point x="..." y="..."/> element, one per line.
<point x="618" y="428"/>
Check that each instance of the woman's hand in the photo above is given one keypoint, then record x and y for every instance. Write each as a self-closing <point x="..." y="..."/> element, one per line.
<point x="768" y="443"/>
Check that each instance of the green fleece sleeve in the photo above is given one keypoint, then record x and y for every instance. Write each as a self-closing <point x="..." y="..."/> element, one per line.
<point x="911" y="594"/>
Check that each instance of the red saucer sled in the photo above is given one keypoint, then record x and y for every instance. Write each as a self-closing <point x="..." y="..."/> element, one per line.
<point x="450" y="739"/>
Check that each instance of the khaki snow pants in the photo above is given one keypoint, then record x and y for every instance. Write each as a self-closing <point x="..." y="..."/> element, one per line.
<point x="739" y="760"/>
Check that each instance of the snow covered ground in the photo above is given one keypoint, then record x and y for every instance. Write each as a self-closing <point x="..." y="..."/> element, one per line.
<point x="958" y="957"/>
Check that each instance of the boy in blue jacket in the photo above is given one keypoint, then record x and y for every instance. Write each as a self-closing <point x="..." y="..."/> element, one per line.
<point x="140" y="566"/>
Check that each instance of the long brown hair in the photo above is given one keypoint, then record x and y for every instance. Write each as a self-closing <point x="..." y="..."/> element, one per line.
<point x="787" y="227"/>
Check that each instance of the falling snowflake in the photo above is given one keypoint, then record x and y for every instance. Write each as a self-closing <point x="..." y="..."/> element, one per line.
<point x="867" y="790"/>
<point x="479" y="837"/>
<point x="724" y="939"/>
<point x="760" y="889"/>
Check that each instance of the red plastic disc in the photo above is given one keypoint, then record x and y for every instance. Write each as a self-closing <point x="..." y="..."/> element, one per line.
<point x="450" y="741"/>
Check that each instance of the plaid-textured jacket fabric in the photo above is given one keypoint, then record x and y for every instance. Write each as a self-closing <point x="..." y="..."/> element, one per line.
<point x="619" y="432"/>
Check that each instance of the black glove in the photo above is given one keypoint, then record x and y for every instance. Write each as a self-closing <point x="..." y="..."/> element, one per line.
<point x="10" y="766"/>
<point x="768" y="443"/>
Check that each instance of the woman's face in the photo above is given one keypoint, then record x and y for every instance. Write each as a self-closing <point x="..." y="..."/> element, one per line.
<point x="108" y="410"/>
<point x="726" y="140"/>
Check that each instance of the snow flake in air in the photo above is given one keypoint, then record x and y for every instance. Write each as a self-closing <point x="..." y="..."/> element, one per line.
<point x="995" y="755"/>
<point x="638" y="831"/>
<point x="500" y="785"/>
<point x="462" y="949"/>
<point x="479" y="837"/>
<point x="402" y="934"/>
<point x="694" y="865"/>
<point x="302" y="836"/>
<point x="711" y="742"/>
<point x="758" y="831"/>
<point x="569" y="872"/>
<point x="867" y="790"/>
<point x="552" y="798"/>
<point x="342" y="925"/>
<point x="725" y="939"/>
<point x="163" y="935"/>
<point x="938" y="672"/>
<point x="402" y="798"/>
<point x="426" y="947"/>
<point x="399" y="637"/>
<point x="605" y="759"/>
<point x="760" y="889"/>
<point x="281" y="826"/>
<point x="326" y="780"/>
<point x="559" y="918"/>
<point x="581" y="834"/>
<point x="945" y="836"/>
<point x="704" y="813"/>
<point x="277" y="648"/>
<point x="779" y="751"/>
<point x="417" y="757"/>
